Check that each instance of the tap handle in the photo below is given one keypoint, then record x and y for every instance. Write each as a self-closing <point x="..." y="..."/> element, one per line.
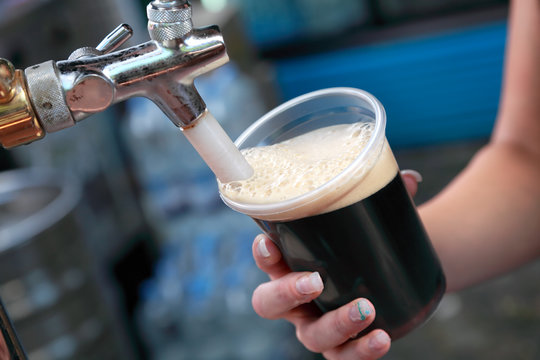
<point x="110" y="43"/>
<point x="115" y="39"/>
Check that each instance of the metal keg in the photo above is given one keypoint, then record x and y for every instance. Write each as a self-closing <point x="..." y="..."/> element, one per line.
<point x="48" y="282"/>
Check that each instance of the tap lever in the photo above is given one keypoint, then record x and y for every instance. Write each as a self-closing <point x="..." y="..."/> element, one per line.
<point x="111" y="42"/>
<point x="115" y="39"/>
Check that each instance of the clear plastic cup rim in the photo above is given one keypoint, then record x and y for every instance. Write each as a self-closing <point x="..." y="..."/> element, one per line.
<point x="281" y="210"/>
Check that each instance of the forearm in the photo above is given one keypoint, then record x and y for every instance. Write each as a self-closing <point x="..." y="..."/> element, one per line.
<point x="519" y="111"/>
<point x="486" y="221"/>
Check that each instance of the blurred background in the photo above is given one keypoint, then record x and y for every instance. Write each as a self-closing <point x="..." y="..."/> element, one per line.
<point x="114" y="243"/>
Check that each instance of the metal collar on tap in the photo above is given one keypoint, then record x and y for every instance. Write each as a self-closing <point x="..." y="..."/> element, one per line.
<point x="168" y="20"/>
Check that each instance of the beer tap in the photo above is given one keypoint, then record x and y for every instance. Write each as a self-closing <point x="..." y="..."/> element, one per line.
<point x="55" y="95"/>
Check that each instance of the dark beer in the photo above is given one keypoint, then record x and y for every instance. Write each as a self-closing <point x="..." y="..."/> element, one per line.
<point x="327" y="190"/>
<point x="376" y="248"/>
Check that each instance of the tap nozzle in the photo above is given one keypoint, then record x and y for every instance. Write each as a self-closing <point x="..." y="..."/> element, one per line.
<point x="170" y="24"/>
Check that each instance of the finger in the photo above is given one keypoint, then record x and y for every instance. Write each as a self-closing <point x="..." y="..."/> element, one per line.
<point x="274" y="299"/>
<point x="335" y="327"/>
<point x="268" y="257"/>
<point x="411" y="178"/>
<point x="371" y="346"/>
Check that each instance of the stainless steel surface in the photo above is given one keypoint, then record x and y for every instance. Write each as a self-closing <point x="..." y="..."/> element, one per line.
<point x="48" y="282"/>
<point x="162" y="70"/>
<point x="115" y="39"/>
<point x="27" y="211"/>
<point x="111" y="42"/>
<point x="47" y="97"/>
<point x="163" y="74"/>
<point x="169" y="20"/>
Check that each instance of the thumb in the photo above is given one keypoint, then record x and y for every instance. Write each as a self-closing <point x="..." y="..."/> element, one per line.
<point x="411" y="178"/>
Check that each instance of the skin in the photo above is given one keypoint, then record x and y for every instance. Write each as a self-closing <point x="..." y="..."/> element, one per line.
<point x="4" y="353"/>
<point x="483" y="224"/>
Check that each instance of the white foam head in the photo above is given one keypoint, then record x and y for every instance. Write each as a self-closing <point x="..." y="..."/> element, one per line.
<point x="312" y="164"/>
<point x="299" y="165"/>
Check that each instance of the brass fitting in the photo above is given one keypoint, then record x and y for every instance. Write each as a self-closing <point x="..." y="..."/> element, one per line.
<point x="18" y="122"/>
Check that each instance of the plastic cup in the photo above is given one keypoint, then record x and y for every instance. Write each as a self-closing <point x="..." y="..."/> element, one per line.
<point x="360" y="230"/>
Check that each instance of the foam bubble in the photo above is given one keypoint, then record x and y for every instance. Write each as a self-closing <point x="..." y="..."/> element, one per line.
<point x="294" y="167"/>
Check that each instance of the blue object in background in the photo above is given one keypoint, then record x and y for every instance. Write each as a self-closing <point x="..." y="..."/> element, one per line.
<point x="435" y="88"/>
<point x="271" y="23"/>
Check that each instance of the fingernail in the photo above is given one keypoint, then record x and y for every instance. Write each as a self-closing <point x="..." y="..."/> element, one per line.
<point x="379" y="341"/>
<point x="360" y="310"/>
<point x="261" y="247"/>
<point x="415" y="174"/>
<point x="309" y="284"/>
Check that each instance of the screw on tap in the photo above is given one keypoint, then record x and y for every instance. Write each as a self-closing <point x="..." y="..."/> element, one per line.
<point x="169" y="20"/>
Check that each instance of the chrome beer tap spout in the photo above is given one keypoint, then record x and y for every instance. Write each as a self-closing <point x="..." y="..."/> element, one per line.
<point x="59" y="94"/>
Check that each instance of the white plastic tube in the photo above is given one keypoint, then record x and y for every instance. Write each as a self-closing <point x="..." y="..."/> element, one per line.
<point x="217" y="149"/>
